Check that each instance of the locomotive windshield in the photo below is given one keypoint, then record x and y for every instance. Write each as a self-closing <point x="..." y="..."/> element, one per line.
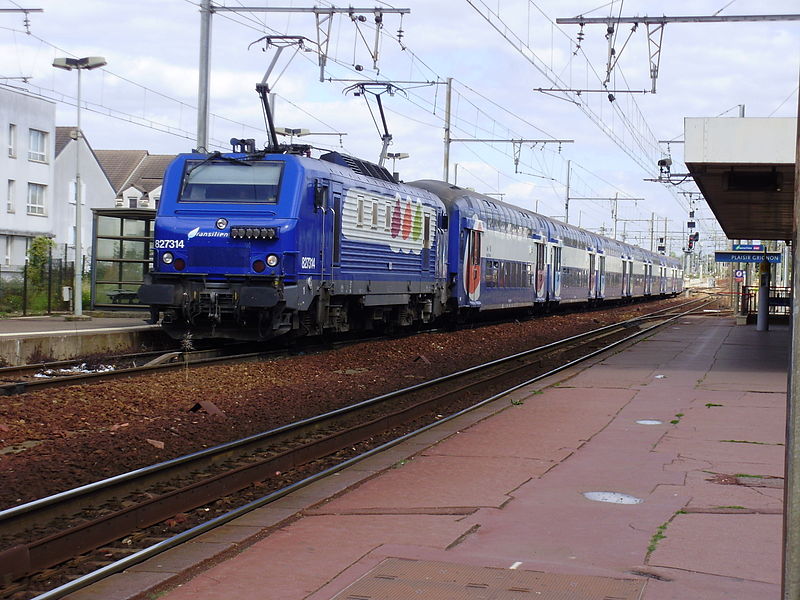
<point x="255" y="182"/>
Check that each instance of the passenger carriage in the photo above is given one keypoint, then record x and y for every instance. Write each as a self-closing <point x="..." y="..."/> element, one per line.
<point x="256" y="246"/>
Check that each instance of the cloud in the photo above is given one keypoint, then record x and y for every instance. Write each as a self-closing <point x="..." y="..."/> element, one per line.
<point x="705" y="70"/>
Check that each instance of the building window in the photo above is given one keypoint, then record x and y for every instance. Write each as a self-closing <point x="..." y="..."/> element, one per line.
<point x="7" y="240"/>
<point x="133" y="202"/>
<point x="36" y="193"/>
<point x="37" y="148"/>
<point x="12" y="140"/>
<point x="11" y="195"/>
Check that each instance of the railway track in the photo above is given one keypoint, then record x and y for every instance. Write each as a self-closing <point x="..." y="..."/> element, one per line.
<point x="28" y="378"/>
<point x="125" y="519"/>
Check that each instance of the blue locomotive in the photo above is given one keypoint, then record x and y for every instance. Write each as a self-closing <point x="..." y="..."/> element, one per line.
<point x="253" y="246"/>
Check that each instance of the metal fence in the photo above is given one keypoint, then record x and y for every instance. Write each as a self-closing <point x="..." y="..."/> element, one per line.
<point x="780" y="301"/>
<point x="37" y="289"/>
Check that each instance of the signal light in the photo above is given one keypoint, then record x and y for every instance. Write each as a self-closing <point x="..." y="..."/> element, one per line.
<point x="179" y="264"/>
<point x="259" y="266"/>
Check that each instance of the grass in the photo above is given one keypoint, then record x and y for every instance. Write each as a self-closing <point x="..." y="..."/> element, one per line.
<point x="657" y="537"/>
<point x="678" y="419"/>
<point x="710" y="404"/>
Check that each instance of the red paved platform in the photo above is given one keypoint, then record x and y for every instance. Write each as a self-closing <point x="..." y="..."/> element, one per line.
<point x="502" y="491"/>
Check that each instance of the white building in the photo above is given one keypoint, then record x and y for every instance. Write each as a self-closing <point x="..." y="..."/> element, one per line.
<point x="96" y="190"/>
<point x="27" y="172"/>
<point x="37" y="180"/>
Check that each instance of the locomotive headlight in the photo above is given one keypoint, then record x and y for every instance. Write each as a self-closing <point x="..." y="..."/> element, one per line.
<point x="167" y="258"/>
<point x="272" y="260"/>
<point x="221" y="223"/>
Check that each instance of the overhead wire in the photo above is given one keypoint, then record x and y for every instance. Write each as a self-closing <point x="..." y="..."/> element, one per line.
<point x="420" y="102"/>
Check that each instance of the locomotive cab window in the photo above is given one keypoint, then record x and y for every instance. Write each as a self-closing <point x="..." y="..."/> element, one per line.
<point x="251" y="183"/>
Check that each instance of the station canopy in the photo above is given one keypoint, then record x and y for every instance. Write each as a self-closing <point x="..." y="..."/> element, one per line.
<point x="745" y="169"/>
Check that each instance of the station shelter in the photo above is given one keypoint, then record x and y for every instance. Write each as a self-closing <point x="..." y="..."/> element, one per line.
<point x="747" y="170"/>
<point x="122" y="252"/>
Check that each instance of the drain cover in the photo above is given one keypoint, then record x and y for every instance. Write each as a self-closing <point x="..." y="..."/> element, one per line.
<point x="649" y="422"/>
<point x="613" y="497"/>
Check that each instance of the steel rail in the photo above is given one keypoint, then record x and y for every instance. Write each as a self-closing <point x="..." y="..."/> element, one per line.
<point x="56" y="548"/>
<point x="16" y="370"/>
<point x="34" y="512"/>
<point x="21" y="387"/>
<point x="110" y="482"/>
<point x="189" y="534"/>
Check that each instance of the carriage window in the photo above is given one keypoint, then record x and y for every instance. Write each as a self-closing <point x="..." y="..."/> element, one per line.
<point x="360" y="211"/>
<point x="374" y="215"/>
<point x="426" y="240"/>
<point x="256" y="182"/>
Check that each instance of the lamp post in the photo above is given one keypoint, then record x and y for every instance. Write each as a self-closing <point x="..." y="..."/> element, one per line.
<point x="291" y="132"/>
<point x="79" y="64"/>
<point x="395" y="156"/>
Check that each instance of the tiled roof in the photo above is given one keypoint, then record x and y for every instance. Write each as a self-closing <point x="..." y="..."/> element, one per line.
<point x="119" y="164"/>
<point x="150" y="173"/>
<point x="63" y="138"/>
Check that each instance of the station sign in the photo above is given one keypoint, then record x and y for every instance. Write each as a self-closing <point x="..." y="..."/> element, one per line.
<point x="749" y="247"/>
<point x="738" y="275"/>
<point x="747" y="257"/>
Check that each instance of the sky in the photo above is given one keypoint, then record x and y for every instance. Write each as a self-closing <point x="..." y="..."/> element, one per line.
<point x="498" y="52"/>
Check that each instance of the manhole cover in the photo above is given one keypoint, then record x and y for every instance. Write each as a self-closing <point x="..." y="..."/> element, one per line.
<point x="613" y="497"/>
<point x="649" y="422"/>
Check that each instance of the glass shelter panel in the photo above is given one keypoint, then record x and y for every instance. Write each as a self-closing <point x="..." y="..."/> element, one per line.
<point x="122" y="251"/>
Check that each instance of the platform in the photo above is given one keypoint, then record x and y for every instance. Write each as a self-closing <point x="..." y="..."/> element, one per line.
<point x="34" y="339"/>
<point x="689" y="421"/>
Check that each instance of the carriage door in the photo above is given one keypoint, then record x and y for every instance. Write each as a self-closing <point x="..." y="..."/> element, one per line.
<point x="592" y="263"/>
<point x="426" y="243"/>
<point x="648" y="278"/>
<point x="541" y="273"/>
<point x="625" y="277"/>
<point x="337" y="229"/>
<point x="472" y="265"/>
<point x="555" y="265"/>
<point x="630" y="278"/>
<point x="601" y="277"/>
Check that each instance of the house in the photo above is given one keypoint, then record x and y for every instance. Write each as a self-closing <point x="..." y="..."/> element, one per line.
<point x="136" y="176"/>
<point x="38" y="166"/>
<point x="96" y="190"/>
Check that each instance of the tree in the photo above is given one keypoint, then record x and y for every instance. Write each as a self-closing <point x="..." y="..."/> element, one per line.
<point x="38" y="259"/>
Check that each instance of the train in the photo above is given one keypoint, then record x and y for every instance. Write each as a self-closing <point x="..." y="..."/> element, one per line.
<point x="252" y="246"/>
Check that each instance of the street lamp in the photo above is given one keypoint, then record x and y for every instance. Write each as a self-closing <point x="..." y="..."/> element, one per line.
<point x="79" y="64"/>
<point x="291" y="132"/>
<point x="395" y="156"/>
